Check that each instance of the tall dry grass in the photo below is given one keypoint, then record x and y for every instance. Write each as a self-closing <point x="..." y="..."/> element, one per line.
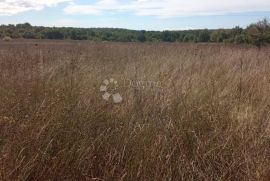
<point x="189" y="112"/>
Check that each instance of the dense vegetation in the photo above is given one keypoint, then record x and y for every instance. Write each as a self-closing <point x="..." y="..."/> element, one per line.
<point x="257" y="33"/>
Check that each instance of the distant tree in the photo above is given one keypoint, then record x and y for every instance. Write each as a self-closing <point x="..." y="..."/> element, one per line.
<point x="259" y="33"/>
<point x="219" y="35"/>
<point x="106" y="36"/>
<point x="168" y="36"/>
<point x="29" y="35"/>
<point x="190" y="38"/>
<point x="77" y="34"/>
<point x="24" y="25"/>
<point x="90" y="34"/>
<point x="181" y="36"/>
<point x="204" y="36"/>
<point x="141" y="36"/>
<point x="130" y="38"/>
<point x="53" y="34"/>
<point x="73" y="35"/>
<point x="236" y="31"/>
<point x="241" y="38"/>
<point x="153" y="36"/>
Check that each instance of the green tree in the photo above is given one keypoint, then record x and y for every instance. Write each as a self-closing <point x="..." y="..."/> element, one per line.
<point x="141" y="36"/>
<point x="219" y="35"/>
<point x="24" y="26"/>
<point x="204" y="36"/>
<point x="53" y="34"/>
<point x="189" y="38"/>
<point x="259" y="33"/>
<point x="241" y="38"/>
<point x="169" y="36"/>
<point x="29" y="35"/>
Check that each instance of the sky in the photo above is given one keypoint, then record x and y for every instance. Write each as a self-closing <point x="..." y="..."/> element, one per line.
<point x="135" y="14"/>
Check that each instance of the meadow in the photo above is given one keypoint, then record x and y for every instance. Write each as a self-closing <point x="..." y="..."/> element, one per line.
<point x="188" y="111"/>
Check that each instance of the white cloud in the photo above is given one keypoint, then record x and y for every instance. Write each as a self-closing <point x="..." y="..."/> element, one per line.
<point x="84" y="9"/>
<point x="171" y="8"/>
<point x="159" y="8"/>
<point x="11" y="7"/>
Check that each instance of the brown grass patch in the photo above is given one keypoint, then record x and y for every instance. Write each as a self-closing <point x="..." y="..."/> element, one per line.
<point x="207" y="120"/>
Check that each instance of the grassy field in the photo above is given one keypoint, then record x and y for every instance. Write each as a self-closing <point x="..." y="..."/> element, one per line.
<point x="189" y="111"/>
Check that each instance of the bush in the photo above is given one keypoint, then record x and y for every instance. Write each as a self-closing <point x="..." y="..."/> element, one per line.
<point x="53" y="34"/>
<point x="259" y="33"/>
<point x="7" y="38"/>
<point x="28" y="35"/>
<point x="240" y="39"/>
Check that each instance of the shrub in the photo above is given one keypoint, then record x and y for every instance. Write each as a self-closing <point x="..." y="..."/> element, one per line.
<point x="240" y="39"/>
<point x="259" y="33"/>
<point x="7" y="38"/>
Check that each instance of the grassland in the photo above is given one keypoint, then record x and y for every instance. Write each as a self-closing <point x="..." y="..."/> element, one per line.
<point x="189" y="111"/>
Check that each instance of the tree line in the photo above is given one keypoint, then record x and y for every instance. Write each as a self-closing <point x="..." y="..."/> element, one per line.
<point x="257" y="33"/>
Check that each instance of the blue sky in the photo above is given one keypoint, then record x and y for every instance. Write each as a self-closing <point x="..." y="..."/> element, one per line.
<point x="135" y="14"/>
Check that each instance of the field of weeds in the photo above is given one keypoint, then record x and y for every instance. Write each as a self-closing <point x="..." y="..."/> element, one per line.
<point x="187" y="111"/>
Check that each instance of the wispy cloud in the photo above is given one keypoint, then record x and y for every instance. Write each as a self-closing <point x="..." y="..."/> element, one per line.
<point x="158" y="8"/>
<point x="170" y="8"/>
<point x="11" y="7"/>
